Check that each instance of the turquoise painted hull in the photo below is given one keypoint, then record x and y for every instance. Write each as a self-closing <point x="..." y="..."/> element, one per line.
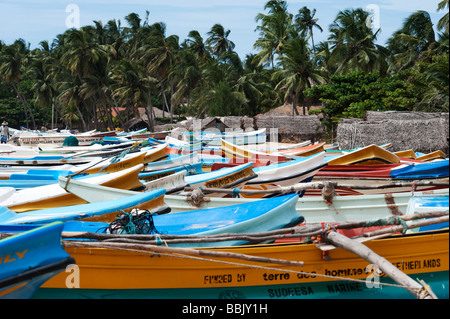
<point x="438" y="281"/>
<point x="29" y="259"/>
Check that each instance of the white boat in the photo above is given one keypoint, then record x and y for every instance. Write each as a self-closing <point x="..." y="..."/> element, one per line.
<point x="314" y="209"/>
<point x="31" y="139"/>
<point x="212" y="139"/>
<point x="53" y="195"/>
<point x="286" y="173"/>
<point x="9" y="150"/>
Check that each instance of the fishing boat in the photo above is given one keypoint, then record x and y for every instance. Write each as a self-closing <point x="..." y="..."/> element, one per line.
<point x="33" y="178"/>
<point x="236" y="137"/>
<point x="230" y="177"/>
<point x="303" y="151"/>
<point x="57" y="139"/>
<point x="46" y="160"/>
<point x="53" y="195"/>
<point x="30" y="258"/>
<point x="172" y="161"/>
<point x="95" y="149"/>
<point x="113" y="270"/>
<point x="285" y="174"/>
<point x="361" y="176"/>
<point x="191" y="169"/>
<point x="372" y="154"/>
<point x="177" y="146"/>
<point x="409" y="154"/>
<point x="105" y="211"/>
<point x="433" y="156"/>
<point x="314" y="209"/>
<point x="232" y="151"/>
<point x="252" y="217"/>
<point x="112" y="164"/>
<point x="9" y="150"/>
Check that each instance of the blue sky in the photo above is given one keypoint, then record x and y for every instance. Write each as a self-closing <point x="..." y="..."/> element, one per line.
<point x="35" y="20"/>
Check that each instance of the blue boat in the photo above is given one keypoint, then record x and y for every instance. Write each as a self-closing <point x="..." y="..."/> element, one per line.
<point x="33" y="178"/>
<point x="191" y="169"/>
<point x="29" y="259"/>
<point x="253" y="217"/>
<point x="103" y="210"/>
<point x="430" y="170"/>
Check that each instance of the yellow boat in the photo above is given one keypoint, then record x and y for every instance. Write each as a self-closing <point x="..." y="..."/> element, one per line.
<point x="121" y="273"/>
<point x="304" y="151"/>
<point x="51" y="196"/>
<point x="406" y="154"/>
<point x="231" y="151"/>
<point x="156" y="153"/>
<point x="371" y="154"/>
<point x="436" y="155"/>
<point x="110" y="166"/>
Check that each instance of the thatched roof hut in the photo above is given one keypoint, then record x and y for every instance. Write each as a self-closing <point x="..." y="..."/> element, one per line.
<point x="292" y="128"/>
<point x="422" y="132"/>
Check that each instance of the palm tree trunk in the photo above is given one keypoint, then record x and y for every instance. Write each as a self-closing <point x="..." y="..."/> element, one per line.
<point x="294" y="105"/>
<point x="149" y="111"/>
<point x="116" y="108"/>
<point x="25" y="104"/>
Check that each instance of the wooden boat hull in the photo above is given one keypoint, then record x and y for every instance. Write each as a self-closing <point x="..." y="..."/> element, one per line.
<point x="371" y="154"/>
<point x="34" y="141"/>
<point x="121" y="272"/>
<point x="285" y="174"/>
<point x="316" y="210"/>
<point x="433" y="156"/>
<point x="29" y="259"/>
<point x="313" y="208"/>
<point x="51" y="196"/>
<point x="232" y="151"/>
<point x="304" y="151"/>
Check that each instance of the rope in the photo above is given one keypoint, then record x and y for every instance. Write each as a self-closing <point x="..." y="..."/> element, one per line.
<point x="393" y="220"/>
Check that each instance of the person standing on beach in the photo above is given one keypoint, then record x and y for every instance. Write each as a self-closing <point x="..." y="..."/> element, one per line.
<point x="4" y="132"/>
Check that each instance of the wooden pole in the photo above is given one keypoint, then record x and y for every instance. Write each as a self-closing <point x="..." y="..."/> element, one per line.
<point x="183" y="251"/>
<point x="384" y="265"/>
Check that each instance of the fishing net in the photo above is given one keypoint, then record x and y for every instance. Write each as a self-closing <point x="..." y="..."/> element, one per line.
<point x="134" y="222"/>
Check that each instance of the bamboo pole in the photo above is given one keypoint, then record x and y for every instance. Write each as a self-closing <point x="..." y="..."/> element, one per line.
<point x="291" y="232"/>
<point x="393" y="272"/>
<point x="182" y="251"/>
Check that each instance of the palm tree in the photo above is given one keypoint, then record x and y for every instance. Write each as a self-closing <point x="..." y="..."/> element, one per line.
<point x="306" y="23"/>
<point x="437" y="77"/>
<point x="443" y="22"/>
<point x="13" y="61"/>
<point x="133" y="87"/>
<point x="353" y="44"/>
<point x="414" y="42"/>
<point x="195" y="44"/>
<point x="158" y="57"/>
<point x="273" y="31"/>
<point x="218" y="40"/>
<point x="42" y="71"/>
<point x="298" y="72"/>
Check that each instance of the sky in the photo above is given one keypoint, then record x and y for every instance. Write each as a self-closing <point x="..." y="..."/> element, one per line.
<point x="38" y="20"/>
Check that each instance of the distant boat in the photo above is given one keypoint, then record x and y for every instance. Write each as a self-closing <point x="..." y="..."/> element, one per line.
<point x="238" y="138"/>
